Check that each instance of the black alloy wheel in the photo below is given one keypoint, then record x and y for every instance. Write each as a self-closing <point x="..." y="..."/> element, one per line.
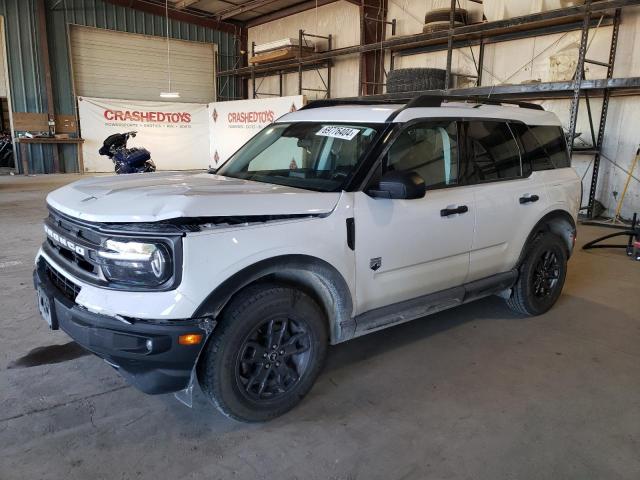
<point x="273" y="358"/>
<point x="546" y="274"/>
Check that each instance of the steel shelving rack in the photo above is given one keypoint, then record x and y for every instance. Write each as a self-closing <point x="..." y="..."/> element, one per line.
<point x="257" y="73"/>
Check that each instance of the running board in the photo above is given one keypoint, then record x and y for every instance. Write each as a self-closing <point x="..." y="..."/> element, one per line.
<point x="414" y="308"/>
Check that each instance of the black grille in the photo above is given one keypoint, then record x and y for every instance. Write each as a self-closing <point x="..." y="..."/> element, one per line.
<point x="69" y="289"/>
<point x="79" y="235"/>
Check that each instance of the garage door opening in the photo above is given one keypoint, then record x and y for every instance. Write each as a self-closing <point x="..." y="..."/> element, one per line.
<point x="131" y="66"/>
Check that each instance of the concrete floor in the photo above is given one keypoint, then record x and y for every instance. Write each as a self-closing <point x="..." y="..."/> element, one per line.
<point x="472" y="393"/>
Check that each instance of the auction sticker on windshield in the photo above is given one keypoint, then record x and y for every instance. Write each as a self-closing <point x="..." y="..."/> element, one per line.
<point x="343" y="133"/>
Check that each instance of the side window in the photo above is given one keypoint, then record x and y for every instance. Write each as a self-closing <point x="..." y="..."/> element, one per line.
<point x="430" y="150"/>
<point x="492" y="153"/>
<point x="551" y="139"/>
<point x="531" y="151"/>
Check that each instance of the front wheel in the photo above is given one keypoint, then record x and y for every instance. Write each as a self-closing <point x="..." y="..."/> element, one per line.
<point x="265" y="354"/>
<point x="149" y="166"/>
<point x="541" y="276"/>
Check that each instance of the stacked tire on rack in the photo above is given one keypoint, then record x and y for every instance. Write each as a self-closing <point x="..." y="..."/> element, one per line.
<point x="437" y="20"/>
<point x="417" y="79"/>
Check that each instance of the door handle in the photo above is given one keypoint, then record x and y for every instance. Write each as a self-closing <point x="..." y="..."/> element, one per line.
<point x="529" y="199"/>
<point x="445" y="212"/>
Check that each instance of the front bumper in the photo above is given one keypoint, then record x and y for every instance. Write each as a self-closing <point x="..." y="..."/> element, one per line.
<point x="147" y="353"/>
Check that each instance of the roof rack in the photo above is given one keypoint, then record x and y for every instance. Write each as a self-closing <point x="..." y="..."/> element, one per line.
<point x="424" y="100"/>
<point x="333" y="102"/>
<point x="436" y="100"/>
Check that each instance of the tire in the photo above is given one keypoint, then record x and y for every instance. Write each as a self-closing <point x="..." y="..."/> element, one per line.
<point x="439" y="27"/>
<point x="415" y="79"/>
<point x="541" y="276"/>
<point x="240" y="372"/>
<point x="442" y="15"/>
<point x="149" y="166"/>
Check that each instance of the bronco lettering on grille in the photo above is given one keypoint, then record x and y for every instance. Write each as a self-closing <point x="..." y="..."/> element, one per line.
<point x="63" y="241"/>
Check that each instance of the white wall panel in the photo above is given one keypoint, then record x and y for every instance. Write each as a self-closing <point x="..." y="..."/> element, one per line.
<point x="342" y="21"/>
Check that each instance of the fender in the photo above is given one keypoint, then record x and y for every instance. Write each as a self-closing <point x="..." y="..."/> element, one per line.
<point x="316" y="277"/>
<point x="561" y="223"/>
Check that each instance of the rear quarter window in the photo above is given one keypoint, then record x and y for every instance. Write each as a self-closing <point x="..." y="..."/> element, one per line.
<point x="546" y="146"/>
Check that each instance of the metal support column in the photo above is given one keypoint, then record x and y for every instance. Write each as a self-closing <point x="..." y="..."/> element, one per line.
<point x="603" y="114"/>
<point x="578" y="76"/>
<point x="300" y="39"/>
<point x="480" y="64"/>
<point x="362" y="66"/>
<point x="328" y="84"/>
<point x="253" y="82"/>
<point x="452" y="15"/>
<point x="43" y="44"/>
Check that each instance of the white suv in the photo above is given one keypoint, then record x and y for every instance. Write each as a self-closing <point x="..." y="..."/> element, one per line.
<point x="337" y="220"/>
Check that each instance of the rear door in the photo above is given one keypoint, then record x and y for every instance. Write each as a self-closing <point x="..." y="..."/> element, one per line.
<point x="509" y="200"/>
<point x="545" y="149"/>
<point x="409" y="248"/>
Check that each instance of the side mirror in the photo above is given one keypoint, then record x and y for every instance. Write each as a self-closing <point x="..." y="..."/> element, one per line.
<point x="399" y="185"/>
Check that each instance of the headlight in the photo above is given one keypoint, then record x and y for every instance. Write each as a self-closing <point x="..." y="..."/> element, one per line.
<point x="136" y="263"/>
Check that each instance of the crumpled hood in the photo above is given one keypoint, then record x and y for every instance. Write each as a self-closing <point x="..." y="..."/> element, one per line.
<point x="151" y="197"/>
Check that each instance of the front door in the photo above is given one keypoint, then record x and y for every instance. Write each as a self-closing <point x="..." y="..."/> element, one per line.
<point x="409" y="248"/>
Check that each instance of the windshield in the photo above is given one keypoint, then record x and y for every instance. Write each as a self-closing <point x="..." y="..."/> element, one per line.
<point x="314" y="156"/>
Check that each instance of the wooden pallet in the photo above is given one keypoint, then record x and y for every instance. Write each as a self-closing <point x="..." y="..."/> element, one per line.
<point x="280" y="54"/>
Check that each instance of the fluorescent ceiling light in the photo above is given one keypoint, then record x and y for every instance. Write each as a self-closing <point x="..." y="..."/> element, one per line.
<point x="170" y="95"/>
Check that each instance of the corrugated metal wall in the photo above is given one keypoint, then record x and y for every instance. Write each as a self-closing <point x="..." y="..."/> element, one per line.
<point x="26" y="77"/>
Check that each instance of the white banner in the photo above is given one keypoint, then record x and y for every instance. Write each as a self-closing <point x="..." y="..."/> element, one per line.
<point x="232" y="124"/>
<point x="176" y="134"/>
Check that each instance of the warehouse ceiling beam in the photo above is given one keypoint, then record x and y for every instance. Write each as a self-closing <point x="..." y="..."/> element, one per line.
<point x="245" y="7"/>
<point x="287" y="11"/>
<point x="185" y="3"/>
<point x="182" y="15"/>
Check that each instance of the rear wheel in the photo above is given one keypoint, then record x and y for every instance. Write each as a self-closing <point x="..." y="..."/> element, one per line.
<point x="541" y="276"/>
<point x="266" y="353"/>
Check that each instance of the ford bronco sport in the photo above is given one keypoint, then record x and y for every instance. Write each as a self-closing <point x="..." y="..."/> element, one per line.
<point x="335" y="221"/>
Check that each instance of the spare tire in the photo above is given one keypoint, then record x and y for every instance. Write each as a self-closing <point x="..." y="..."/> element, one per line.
<point x="415" y="79"/>
<point x="439" y="27"/>
<point x="443" y="14"/>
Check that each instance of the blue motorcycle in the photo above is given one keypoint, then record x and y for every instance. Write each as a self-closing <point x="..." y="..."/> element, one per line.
<point x="126" y="160"/>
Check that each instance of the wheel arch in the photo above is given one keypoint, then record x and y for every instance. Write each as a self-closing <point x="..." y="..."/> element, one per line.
<point x="559" y="222"/>
<point x="312" y="275"/>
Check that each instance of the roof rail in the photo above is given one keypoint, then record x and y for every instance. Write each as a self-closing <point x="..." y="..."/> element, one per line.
<point x="424" y="100"/>
<point x="436" y="100"/>
<point x="333" y="102"/>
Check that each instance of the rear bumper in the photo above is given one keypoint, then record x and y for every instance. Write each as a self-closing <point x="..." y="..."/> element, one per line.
<point x="146" y="353"/>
